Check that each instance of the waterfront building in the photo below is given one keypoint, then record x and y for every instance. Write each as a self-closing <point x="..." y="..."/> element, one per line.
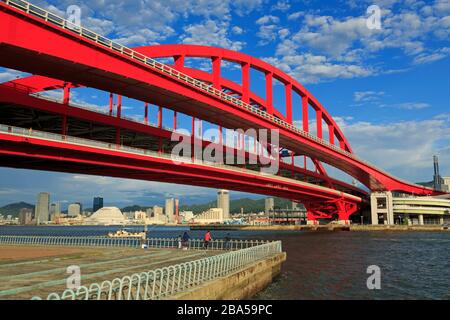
<point x="55" y="208"/>
<point x="42" y="214"/>
<point x="269" y="205"/>
<point x="157" y="211"/>
<point x="140" y="215"/>
<point x="223" y="202"/>
<point x="74" y="210"/>
<point x="213" y="215"/>
<point x="445" y="186"/>
<point x="170" y="207"/>
<point x="98" y="204"/>
<point x="107" y="216"/>
<point x="177" y="211"/>
<point x="158" y="216"/>
<point x="128" y="214"/>
<point x="387" y="209"/>
<point x="186" y="216"/>
<point x="25" y="216"/>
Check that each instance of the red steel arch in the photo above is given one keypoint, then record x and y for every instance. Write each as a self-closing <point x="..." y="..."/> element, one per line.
<point x="179" y="52"/>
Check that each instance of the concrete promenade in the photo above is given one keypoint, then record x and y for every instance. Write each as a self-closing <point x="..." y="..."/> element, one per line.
<point x="27" y="271"/>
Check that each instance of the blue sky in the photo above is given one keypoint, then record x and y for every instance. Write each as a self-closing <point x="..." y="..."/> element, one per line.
<point x="388" y="88"/>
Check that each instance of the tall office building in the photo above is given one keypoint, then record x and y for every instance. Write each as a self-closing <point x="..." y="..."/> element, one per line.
<point x="98" y="204"/>
<point x="74" y="210"/>
<point x="223" y="202"/>
<point x="55" y="208"/>
<point x="437" y="180"/>
<point x="269" y="205"/>
<point x="170" y="209"/>
<point x="157" y="212"/>
<point x="25" y="216"/>
<point x="42" y="213"/>
<point x="177" y="211"/>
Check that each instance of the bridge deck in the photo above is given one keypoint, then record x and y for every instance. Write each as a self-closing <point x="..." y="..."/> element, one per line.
<point x="27" y="271"/>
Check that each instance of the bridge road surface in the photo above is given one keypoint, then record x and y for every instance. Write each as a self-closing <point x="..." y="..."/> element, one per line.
<point x="27" y="271"/>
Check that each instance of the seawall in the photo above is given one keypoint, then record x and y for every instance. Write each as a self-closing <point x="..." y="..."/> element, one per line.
<point x="327" y="227"/>
<point x="242" y="284"/>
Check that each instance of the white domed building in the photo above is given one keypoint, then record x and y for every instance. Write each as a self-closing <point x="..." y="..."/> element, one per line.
<point x="107" y="215"/>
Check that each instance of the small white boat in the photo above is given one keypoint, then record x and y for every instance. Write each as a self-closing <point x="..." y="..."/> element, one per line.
<point x="122" y="233"/>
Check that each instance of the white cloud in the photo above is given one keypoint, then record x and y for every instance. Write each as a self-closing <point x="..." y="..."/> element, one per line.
<point x="9" y="74"/>
<point x="431" y="57"/>
<point x="281" y="5"/>
<point x="237" y="30"/>
<point x="349" y="47"/>
<point x="267" y="19"/>
<point x="295" y="15"/>
<point x="374" y="98"/>
<point x="267" y="33"/>
<point x="409" y="105"/>
<point x="149" y="22"/>
<point x="212" y="34"/>
<point x="404" y="148"/>
<point x="367" y="96"/>
<point x="308" y="68"/>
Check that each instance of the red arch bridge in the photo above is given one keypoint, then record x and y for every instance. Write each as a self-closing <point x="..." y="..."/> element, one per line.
<point x="38" y="132"/>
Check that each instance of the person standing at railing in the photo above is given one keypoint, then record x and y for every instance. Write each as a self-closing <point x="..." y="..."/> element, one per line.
<point x="227" y="243"/>
<point x="185" y="240"/>
<point x="179" y="239"/>
<point x="207" y="239"/>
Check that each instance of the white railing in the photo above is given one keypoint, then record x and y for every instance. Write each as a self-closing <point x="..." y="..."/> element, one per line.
<point x="101" y="241"/>
<point x="165" y="282"/>
<point x="143" y="152"/>
<point x="163" y="68"/>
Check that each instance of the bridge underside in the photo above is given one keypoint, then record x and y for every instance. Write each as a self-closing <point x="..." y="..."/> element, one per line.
<point x="22" y="151"/>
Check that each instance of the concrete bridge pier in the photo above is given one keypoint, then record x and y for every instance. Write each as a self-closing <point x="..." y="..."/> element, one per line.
<point x="382" y="204"/>
<point x="421" y="219"/>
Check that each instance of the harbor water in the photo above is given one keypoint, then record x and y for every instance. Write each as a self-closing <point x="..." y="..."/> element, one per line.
<point x="328" y="265"/>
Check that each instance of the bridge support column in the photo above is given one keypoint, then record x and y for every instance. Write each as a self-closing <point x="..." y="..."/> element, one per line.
<point x="441" y="220"/>
<point x="421" y="220"/>
<point x="382" y="203"/>
<point x="66" y="94"/>
<point x="344" y="211"/>
<point x="146" y="113"/>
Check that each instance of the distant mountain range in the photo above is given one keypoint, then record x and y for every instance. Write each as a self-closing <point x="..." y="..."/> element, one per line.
<point x="14" y="208"/>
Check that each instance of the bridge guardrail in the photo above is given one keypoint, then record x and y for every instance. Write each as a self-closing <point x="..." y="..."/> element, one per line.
<point x="165" y="282"/>
<point x="121" y="148"/>
<point x="76" y="241"/>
